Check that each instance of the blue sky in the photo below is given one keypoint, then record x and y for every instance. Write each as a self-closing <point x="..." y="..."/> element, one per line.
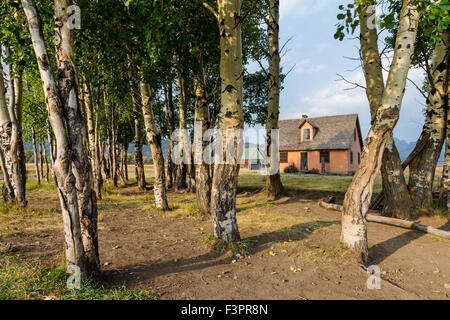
<point x="311" y="88"/>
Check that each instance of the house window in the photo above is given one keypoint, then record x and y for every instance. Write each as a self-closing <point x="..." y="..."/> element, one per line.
<point x="359" y="158"/>
<point x="351" y="157"/>
<point x="325" y="156"/>
<point x="306" y="134"/>
<point x="354" y="134"/>
<point x="283" y="157"/>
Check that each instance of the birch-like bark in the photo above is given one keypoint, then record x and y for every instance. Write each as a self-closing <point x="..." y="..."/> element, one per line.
<point x="63" y="165"/>
<point x="20" y="176"/>
<point x="224" y="184"/>
<point x="273" y="182"/>
<point x="154" y="140"/>
<point x="41" y="156"/>
<point x="181" y="172"/>
<point x="7" y="189"/>
<point x="423" y="167"/>
<point x="124" y="161"/>
<point x="36" y="156"/>
<point x="137" y="111"/>
<point x="13" y="143"/>
<point x="68" y="88"/>
<point x="202" y="170"/>
<point x="93" y="152"/>
<point x="5" y="133"/>
<point x="444" y="196"/>
<point x="171" y="125"/>
<point x="397" y="201"/>
<point x="359" y="194"/>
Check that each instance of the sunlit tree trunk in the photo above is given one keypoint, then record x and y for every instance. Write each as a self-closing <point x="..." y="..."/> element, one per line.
<point x="358" y="196"/>
<point x="63" y="165"/>
<point x="273" y="181"/>
<point x="47" y="169"/>
<point x="20" y="177"/>
<point x="91" y="138"/>
<point x="224" y="184"/>
<point x="202" y="170"/>
<point x="397" y="201"/>
<point x="68" y="89"/>
<point x="154" y="140"/>
<point x="41" y="156"/>
<point x="125" y="161"/>
<point x="423" y="167"/>
<point x="36" y="156"/>
<point x="5" y="133"/>
<point x="13" y="143"/>
<point x="444" y="196"/>
<point x="171" y="125"/>
<point x="181" y="172"/>
<point x="137" y="111"/>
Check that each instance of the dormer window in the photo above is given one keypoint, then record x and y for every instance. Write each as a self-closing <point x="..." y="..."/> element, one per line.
<point x="306" y="134"/>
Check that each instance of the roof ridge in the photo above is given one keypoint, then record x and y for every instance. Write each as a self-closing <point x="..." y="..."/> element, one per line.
<point x="321" y="117"/>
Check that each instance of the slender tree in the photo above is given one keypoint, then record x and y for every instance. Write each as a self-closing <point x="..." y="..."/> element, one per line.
<point x="357" y="198"/>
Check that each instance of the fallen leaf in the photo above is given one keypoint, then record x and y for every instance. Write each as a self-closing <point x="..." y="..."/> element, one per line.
<point x="273" y="254"/>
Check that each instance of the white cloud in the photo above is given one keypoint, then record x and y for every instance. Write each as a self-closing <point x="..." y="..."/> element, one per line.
<point x="333" y="99"/>
<point x="300" y="8"/>
<point x="305" y="66"/>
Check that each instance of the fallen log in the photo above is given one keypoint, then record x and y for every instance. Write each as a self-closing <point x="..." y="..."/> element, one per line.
<point x="393" y="221"/>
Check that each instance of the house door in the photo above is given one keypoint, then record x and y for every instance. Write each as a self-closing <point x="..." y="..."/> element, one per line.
<point x="304" y="161"/>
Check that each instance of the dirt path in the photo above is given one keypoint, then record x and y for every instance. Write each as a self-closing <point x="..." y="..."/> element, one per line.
<point x="296" y="254"/>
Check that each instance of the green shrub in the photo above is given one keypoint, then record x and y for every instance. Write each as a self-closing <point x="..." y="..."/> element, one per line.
<point x="291" y="169"/>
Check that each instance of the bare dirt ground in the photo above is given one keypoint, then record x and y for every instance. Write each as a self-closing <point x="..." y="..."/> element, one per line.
<point x="296" y="254"/>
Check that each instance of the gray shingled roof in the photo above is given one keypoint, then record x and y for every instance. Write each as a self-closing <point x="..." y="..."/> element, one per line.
<point x="334" y="133"/>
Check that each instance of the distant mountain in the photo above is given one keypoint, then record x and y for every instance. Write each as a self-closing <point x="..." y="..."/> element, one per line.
<point x="404" y="149"/>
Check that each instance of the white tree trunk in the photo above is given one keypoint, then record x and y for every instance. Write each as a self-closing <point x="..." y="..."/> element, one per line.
<point x="63" y="165"/>
<point x="273" y="181"/>
<point x="359" y="194"/>
<point x="224" y="185"/>
<point x="68" y="89"/>
<point x="154" y="140"/>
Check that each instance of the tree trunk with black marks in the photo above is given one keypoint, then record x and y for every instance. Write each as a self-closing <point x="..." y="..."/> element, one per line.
<point x="68" y="89"/>
<point x="20" y="176"/>
<point x="125" y="161"/>
<point x="359" y="194"/>
<point x="36" y="156"/>
<point x="171" y="125"/>
<point x="92" y="142"/>
<point x="422" y="168"/>
<point x="202" y="124"/>
<point x="5" y="133"/>
<point x="47" y="169"/>
<point x="41" y="156"/>
<point x="273" y="181"/>
<point x="397" y="199"/>
<point x="137" y="111"/>
<point x="444" y="194"/>
<point x="224" y="184"/>
<point x="181" y="172"/>
<point x="154" y="140"/>
<point x="12" y="134"/>
<point x="7" y="189"/>
<point x="63" y="165"/>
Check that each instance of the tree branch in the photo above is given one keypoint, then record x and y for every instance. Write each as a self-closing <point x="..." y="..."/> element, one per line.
<point x="248" y="11"/>
<point x="207" y="6"/>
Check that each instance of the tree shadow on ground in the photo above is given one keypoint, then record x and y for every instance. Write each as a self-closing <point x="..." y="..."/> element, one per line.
<point x="381" y="251"/>
<point x="135" y="274"/>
